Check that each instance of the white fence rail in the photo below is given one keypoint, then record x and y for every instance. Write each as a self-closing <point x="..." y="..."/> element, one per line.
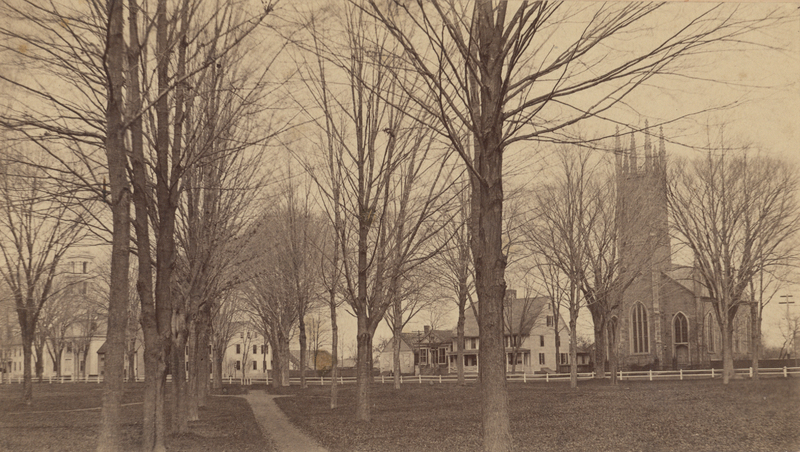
<point x="645" y="375"/>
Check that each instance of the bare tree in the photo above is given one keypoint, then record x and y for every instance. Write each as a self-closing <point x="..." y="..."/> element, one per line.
<point x="55" y="322"/>
<point x="317" y="336"/>
<point x="738" y="213"/>
<point x="392" y="176"/>
<point x="454" y="265"/>
<point x="223" y="329"/>
<point x="38" y="225"/>
<point x="520" y="316"/>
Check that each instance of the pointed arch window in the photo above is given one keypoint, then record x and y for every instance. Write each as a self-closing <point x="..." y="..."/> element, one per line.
<point x="681" y="327"/>
<point x="639" y="332"/>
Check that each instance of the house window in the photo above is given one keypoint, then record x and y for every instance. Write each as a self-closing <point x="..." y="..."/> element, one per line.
<point x="541" y="358"/>
<point x="255" y="365"/>
<point x="549" y="320"/>
<point x="541" y="341"/>
<point x="442" y="356"/>
<point x="681" y="329"/>
<point x="238" y="365"/>
<point x="470" y="360"/>
<point x="639" y="336"/>
<point x="238" y="349"/>
<point x="710" y="327"/>
<point x="564" y="358"/>
<point x="85" y="266"/>
<point x="255" y="350"/>
<point x="473" y="343"/>
<point x="423" y="356"/>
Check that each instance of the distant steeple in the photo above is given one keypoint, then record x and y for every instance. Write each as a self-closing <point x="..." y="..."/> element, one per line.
<point x="662" y="149"/>
<point x="633" y="166"/>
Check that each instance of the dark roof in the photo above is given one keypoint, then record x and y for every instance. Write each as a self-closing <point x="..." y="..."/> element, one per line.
<point x="413" y="339"/>
<point x="521" y="314"/>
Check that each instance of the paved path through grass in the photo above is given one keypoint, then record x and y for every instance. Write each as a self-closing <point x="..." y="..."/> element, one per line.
<point x="276" y="425"/>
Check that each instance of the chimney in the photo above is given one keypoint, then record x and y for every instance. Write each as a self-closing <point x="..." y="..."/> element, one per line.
<point x="427" y="329"/>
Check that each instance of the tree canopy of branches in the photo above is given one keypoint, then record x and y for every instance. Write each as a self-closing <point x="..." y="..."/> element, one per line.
<point x="739" y="215"/>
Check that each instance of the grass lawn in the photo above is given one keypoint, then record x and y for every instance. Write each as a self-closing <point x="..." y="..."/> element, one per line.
<point x="66" y="417"/>
<point x="696" y="415"/>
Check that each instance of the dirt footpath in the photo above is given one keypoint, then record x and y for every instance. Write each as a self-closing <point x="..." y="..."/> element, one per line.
<point x="276" y="425"/>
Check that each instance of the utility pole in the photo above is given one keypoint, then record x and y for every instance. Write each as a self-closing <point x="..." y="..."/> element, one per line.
<point x="788" y="302"/>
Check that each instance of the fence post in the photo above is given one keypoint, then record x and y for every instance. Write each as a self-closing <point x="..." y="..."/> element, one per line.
<point x="401" y="378"/>
<point x="382" y="382"/>
<point x="651" y="374"/>
<point x="341" y="380"/>
<point x="751" y="371"/>
<point x="420" y="378"/>
<point x="547" y="377"/>
<point x="524" y="377"/>
<point x="712" y="372"/>
<point x="785" y="374"/>
<point x="50" y="379"/>
<point x="681" y="374"/>
<point x="440" y="378"/>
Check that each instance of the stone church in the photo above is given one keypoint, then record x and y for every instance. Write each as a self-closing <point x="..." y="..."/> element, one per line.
<point x="665" y="319"/>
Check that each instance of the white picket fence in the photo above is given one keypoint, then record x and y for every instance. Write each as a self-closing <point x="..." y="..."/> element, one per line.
<point x="646" y="375"/>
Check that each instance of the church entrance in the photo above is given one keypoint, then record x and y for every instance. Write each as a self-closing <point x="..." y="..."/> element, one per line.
<point x="682" y="355"/>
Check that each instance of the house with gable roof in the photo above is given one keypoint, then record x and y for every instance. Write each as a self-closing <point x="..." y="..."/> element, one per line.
<point x="530" y="337"/>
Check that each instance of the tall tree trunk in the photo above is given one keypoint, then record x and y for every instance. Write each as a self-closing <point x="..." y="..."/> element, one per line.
<point x="612" y="355"/>
<point x="39" y="361"/>
<point x="27" y="358"/>
<point x="202" y="352"/>
<point x="573" y="353"/>
<point x="216" y="367"/>
<point x="303" y="348"/>
<point x="599" y="344"/>
<point x="487" y="224"/>
<point x="727" y="350"/>
<point x="109" y="437"/>
<point x="397" y="329"/>
<point x="462" y="304"/>
<point x="131" y="359"/>
<point x="363" y="379"/>
<point x="180" y="422"/>
<point x="755" y="336"/>
<point x="334" y="353"/>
